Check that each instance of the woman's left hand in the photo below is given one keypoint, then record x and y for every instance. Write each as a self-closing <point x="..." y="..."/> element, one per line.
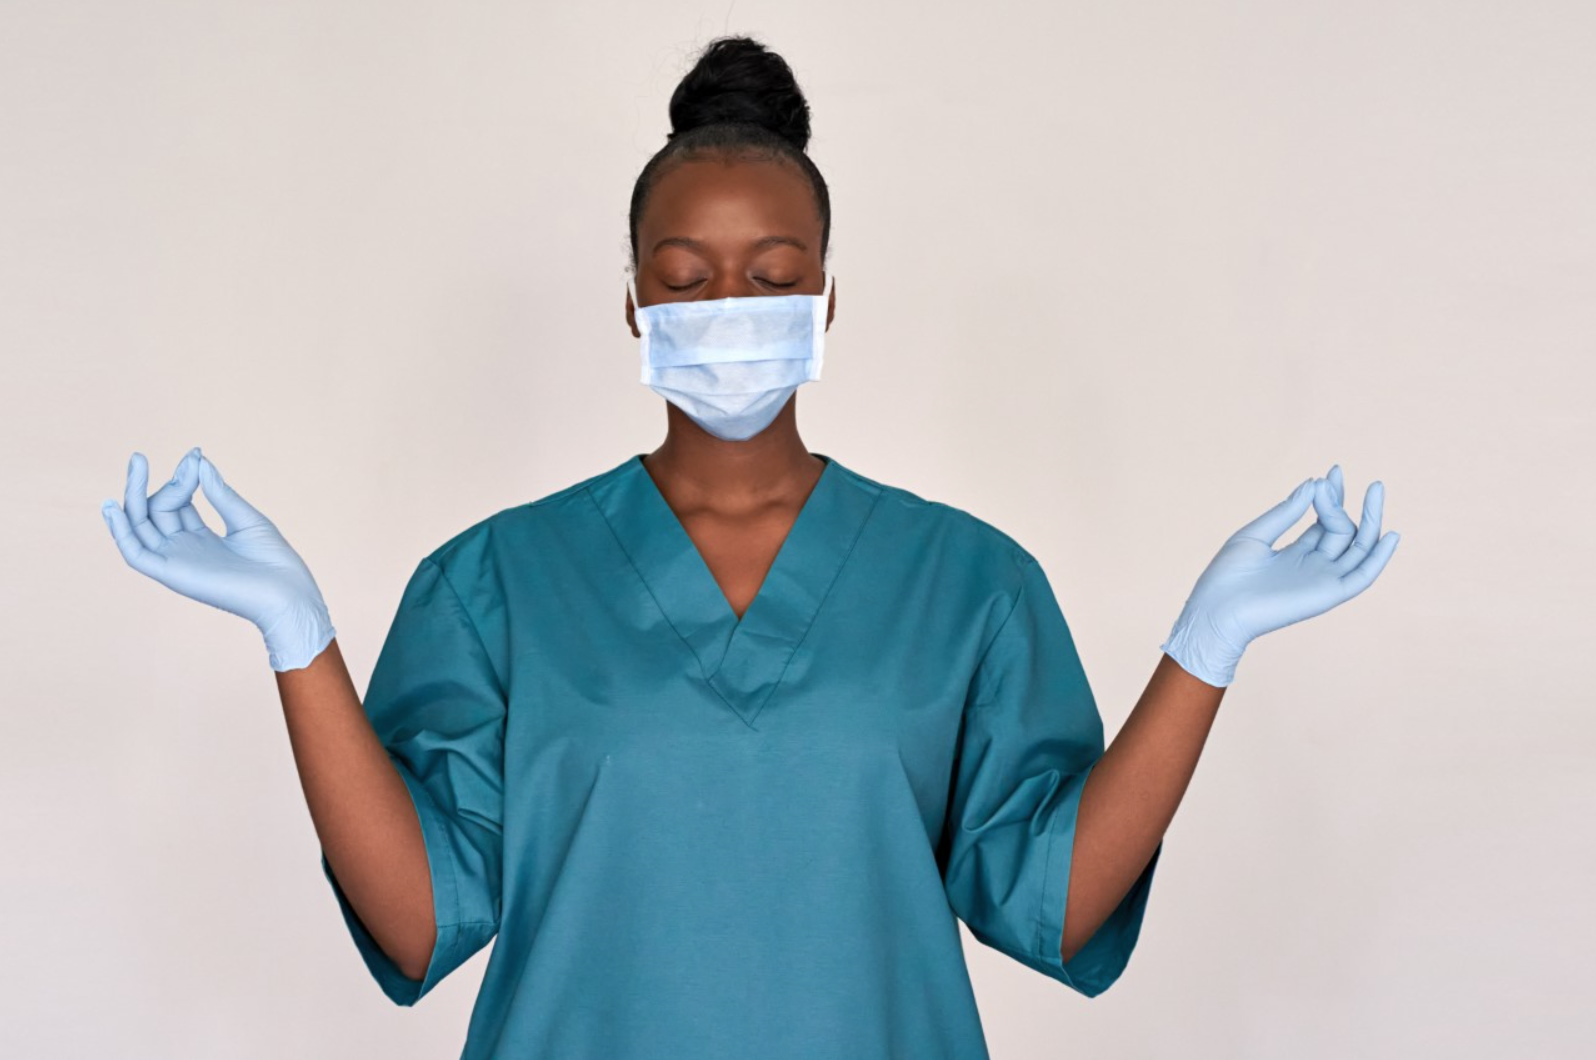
<point x="1249" y="589"/>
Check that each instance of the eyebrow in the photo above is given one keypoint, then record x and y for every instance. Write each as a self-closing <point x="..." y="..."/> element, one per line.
<point x="759" y="244"/>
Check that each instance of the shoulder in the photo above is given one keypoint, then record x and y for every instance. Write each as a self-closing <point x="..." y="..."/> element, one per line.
<point x="521" y="524"/>
<point x="935" y="528"/>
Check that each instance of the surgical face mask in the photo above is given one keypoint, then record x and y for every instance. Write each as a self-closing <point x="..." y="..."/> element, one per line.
<point x="732" y="363"/>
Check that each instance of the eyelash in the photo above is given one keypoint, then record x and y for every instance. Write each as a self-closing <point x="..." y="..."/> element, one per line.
<point x="767" y="283"/>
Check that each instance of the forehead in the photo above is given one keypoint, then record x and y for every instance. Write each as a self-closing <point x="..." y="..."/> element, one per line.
<point x="704" y="198"/>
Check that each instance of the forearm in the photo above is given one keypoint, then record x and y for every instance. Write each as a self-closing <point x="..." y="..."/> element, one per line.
<point x="363" y="814"/>
<point x="1132" y="793"/>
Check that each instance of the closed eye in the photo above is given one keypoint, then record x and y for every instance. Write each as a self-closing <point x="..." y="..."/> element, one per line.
<point x="695" y="283"/>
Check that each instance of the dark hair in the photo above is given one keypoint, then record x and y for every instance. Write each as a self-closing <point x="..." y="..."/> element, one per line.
<point x="740" y="101"/>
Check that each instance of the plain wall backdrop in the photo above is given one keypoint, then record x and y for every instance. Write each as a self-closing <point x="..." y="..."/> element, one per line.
<point x="1114" y="278"/>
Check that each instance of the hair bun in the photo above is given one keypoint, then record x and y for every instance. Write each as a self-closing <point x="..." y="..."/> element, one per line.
<point x="739" y="79"/>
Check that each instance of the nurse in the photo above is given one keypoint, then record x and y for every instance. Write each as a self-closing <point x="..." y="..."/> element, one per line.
<point x="718" y="744"/>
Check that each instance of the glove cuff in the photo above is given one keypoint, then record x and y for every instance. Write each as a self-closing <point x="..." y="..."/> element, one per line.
<point x="297" y="636"/>
<point x="1197" y="645"/>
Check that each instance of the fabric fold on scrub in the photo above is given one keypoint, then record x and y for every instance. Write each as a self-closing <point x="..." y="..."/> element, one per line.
<point x="1017" y="791"/>
<point x="439" y="708"/>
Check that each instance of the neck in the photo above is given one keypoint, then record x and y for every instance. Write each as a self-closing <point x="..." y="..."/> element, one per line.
<point x="694" y="469"/>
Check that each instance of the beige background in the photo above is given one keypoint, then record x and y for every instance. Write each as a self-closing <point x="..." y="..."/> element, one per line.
<point x="1112" y="277"/>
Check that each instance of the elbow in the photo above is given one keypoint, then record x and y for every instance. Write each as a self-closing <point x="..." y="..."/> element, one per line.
<point x="1069" y="942"/>
<point x="410" y="953"/>
<point x="414" y="963"/>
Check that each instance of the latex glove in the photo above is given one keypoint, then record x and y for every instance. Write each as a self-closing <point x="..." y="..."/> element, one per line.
<point x="1249" y="589"/>
<point x="252" y="572"/>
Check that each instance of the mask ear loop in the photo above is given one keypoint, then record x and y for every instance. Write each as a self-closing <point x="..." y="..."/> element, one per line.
<point x="642" y="326"/>
<point x="817" y="335"/>
<point x="637" y="306"/>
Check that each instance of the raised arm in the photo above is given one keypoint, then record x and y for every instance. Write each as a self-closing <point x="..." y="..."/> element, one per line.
<point x="367" y="823"/>
<point x="1248" y="589"/>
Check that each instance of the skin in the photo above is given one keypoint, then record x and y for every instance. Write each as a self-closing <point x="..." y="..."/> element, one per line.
<point x="725" y="229"/>
<point x="362" y="812"/>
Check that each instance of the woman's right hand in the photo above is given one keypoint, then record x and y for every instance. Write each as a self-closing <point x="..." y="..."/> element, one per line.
<point x="251" y="572"/>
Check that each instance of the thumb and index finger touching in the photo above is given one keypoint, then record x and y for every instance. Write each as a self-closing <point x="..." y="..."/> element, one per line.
<point x="236" y="512"/>
<point x="1325" y="495"/>
<point x="141" y="523"/>
<point x="1268" y="527"/>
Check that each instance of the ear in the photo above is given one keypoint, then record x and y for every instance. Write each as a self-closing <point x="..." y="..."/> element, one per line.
<point x="831" y="305"/>
<point x="631" y="316"/>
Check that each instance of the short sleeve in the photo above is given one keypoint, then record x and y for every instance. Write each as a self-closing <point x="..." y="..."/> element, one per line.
<point x="1030" y="737"/>
<point x="438" y="707"/>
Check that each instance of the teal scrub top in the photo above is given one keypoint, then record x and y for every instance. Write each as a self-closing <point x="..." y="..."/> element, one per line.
<point x="699" y="836"/>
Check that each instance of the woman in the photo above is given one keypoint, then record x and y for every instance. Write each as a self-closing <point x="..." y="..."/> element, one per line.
<point x="719" y="741"/>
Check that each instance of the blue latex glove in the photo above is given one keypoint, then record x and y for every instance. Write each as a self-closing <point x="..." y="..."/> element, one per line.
<point x="1249" y="589"/>
<point x="252" y="572"/>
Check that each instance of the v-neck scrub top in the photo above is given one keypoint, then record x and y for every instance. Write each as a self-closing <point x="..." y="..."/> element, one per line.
<point x="695" y="836"/>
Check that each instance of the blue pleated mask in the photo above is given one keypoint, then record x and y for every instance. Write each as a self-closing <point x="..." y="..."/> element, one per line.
<point x="732" y="363"/>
